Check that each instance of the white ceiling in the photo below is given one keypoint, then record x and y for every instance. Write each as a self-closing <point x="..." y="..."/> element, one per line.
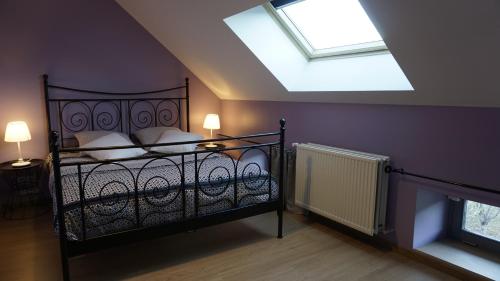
<point x="448" y="49"/>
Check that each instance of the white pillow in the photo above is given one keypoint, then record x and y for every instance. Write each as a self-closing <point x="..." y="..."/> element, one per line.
<point x="176" y="136"/>
<point x="151" y="135"/>
<point x="113" y="139"/>
<point x="85" y="137"/>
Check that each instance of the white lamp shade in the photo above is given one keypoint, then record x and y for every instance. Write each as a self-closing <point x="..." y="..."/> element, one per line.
<point x="212" y="122"/>
<point x="17" y="131"/>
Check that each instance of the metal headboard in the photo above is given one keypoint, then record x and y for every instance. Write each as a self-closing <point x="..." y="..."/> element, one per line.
<point x="123" y="112"/>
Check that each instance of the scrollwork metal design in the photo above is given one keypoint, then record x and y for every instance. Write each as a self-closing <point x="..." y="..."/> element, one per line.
<point x="252" y="174"/>
<point x="252" y="177"/>
<point x="163" y="189"/>
<point x="158" y="190"/>
<point x="145" y="116"/>
<point x="106" y="115"/>
<point x="219" y="177"/>
<point x="113" y="195"/>
<point x="165" y="110"/>
<point x="75" y="116"/>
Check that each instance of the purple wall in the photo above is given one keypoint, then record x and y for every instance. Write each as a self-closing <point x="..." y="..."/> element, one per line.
<point x="449" y="142"/>
<point x="431" y="214"/>
<point x="83" y="43"/>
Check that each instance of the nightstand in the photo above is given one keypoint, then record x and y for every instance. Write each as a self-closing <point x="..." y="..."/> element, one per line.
<point x="24" y="194"/>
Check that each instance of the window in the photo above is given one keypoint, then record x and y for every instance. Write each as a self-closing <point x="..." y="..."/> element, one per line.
<point x="265" y="37"/>
<point x="328" y="27"/>
<point x="476" y="224"/>
<point x="482" y="219"/>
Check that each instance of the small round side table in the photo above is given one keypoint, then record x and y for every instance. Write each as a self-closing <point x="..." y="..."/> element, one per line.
<point x="24" y="190"/>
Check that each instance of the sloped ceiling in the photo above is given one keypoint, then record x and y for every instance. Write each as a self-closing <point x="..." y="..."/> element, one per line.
<point x="448" y="49"/>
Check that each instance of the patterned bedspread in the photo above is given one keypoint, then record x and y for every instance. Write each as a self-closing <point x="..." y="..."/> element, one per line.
<point x="126" y="195"/>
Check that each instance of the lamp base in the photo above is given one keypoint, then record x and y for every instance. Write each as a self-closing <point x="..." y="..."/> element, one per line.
<point x="211" y="145"/>
<point x="21" y="163"/>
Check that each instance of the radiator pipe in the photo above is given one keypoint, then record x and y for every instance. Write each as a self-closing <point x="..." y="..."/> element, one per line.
<point x="390" y="169"/>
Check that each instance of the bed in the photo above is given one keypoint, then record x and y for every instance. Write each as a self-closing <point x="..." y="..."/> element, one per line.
<point x="104" y="202"/>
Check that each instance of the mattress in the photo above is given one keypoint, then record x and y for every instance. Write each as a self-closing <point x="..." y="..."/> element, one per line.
<point x="111" y="204"/>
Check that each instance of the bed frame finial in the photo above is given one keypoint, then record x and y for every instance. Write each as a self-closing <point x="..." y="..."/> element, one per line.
<point x="54" y="140"/>
<point x="282" y="123"/>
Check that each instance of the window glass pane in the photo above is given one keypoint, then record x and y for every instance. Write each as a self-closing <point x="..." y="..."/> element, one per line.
<point x="332" y="23"/>
<point x="482" y="219"/>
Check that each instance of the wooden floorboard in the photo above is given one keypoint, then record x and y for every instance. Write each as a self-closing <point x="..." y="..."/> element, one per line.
<point x="241" y="250"/>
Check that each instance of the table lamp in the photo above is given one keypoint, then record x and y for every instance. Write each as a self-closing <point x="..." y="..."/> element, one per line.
<point x="17" y="131"/>
<point x="211" y="122"/>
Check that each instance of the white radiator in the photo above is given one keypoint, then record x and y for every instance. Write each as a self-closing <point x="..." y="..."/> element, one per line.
<point x="346" y="186"/>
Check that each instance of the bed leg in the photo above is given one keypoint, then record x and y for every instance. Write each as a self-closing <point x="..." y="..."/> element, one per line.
<point x="63" y="247"/>
<point x="280" y="224"/>
<point x="65" y="268"/>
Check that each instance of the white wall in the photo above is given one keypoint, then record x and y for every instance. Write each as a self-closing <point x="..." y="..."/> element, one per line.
<point x="448" y="49"/>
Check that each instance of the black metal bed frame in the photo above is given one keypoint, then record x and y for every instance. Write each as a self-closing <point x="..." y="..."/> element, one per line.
<point x="122" y="108"/>
<point x="119" y="111"/>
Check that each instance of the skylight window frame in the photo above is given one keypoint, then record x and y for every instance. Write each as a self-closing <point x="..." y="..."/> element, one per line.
<point x="368" y="48"/>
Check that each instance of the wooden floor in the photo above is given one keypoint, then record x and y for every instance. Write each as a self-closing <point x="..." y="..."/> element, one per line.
<point x="242" y="250"/>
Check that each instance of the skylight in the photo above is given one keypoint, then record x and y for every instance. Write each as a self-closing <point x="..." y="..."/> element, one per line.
<point x="329" y="27"/>
<point x="260" y="31"/>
